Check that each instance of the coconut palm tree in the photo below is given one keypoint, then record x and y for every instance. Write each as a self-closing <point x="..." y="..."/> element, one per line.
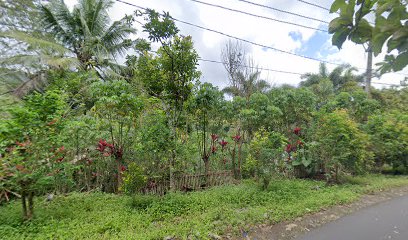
<point x="87" y="31"/>
<point x="84" y="38"/>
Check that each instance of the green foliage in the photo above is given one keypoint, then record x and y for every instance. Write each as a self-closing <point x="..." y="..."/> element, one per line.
<point x="357" y="103"/>
<point x="172" y="73"/>
<point x="389" y="28"/>
<point x="339" y="77"/>
<point x="342" y="146"/>
<point x="87" y="32"/>
<point x="153" y="142"/>
<point x="134" y="179"/>
<point x="35" y="154"/>
<point x="77" y="86"/>
<point x="115" y="100"/>
<point x="228" y="208"/>
<point x="296" y="105"/>
<point x="389" y="140"/>
<point x="265" y="155"/>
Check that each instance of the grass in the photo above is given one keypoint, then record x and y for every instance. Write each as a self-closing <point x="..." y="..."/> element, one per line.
<point x="218" y="210"/>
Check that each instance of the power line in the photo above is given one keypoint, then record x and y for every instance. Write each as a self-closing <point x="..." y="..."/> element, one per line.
<point x="324" y="8"/>
<point x="261" y="45"/>
<point x="314" y="5"/>
<point x="269" y="69"/>
<point x="282" y="71"/>
<point x="258" y="16"/>
<point x="389" y="84"/>
<point x="287" y="12"/>
<point x="245" y="40"/>
<point x="237" y="38"/>
<point x="252" y="67"/>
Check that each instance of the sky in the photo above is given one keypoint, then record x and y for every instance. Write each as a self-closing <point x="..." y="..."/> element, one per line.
<point x="290" y="38"/>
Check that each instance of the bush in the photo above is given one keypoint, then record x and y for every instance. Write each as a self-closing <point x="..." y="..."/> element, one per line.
<point x="265" y="154"/>
<point x="342" y="146"/>
<point x="133" y="179"/>
<point x="389" y="140"/>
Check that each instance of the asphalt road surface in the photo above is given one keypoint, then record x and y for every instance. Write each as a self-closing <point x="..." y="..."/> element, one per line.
<point x="388" y="220"/>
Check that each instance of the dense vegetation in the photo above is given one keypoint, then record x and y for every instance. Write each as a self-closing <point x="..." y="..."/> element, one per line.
<point x="74" y="120"/>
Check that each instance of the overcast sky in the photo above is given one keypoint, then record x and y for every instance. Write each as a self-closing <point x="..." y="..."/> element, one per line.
<point x="295" y="39"/>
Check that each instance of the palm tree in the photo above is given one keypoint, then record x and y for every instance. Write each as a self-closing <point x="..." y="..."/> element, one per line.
<point x="339" y="76"/>
<point x="83" y="38"/>
<point x="86" y="31"/>
<point x="247" y="84"/>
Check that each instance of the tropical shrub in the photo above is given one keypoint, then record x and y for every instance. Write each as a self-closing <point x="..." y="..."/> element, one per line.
<point x="265" y="156"/>
<point x="341" y="144"/>
<point x="389" y="140"/>
<point x="35" y="156"/>
<point x="133" y="179"/>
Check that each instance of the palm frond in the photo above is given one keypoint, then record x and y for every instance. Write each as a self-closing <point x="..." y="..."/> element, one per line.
<point x="115" y="37"/>
<point x="35" y="41"/>
<point x="12" y="78"/>
<point x="231" y="91"/>
<point x="57" y="19"/>
<point x="262" y="86"/>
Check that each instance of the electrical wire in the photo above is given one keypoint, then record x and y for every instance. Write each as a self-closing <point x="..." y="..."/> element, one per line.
<point x="238" y="38"/>
<point x="283" y="11"/>
<point x="259" y="16"/>
<point x="250" y="42"/>
<point x="245" y="40"/>
<point x="314" y="5"/>
<point x="272" y="70"/>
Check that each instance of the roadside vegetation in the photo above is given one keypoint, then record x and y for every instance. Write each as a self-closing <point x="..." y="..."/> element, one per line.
<point x="222" y="211"/>
<point x="91" y="147"/>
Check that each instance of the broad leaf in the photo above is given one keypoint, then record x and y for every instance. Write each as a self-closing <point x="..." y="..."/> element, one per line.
<point x="337" y="4"/>
<point x="338" y="23"/>
<point x="401" y="61"/>
<point x="340" y="36"/>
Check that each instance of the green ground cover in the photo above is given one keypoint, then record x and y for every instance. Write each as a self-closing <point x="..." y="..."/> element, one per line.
<point x="218" y="210"/>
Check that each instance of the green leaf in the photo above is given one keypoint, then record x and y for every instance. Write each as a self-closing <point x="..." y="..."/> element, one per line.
<point x="296" y="163"/>
<point x="382" y="7"/>
<point x="378" y="41"/>
<point x="400" y="34"/>
<point x="340" y="36"/>
<point x="337" y="4"/>
<point x="363" y="32"/>
<point x="306" y="162"/>
<point x="401" y="61"/>
<point x="338" y="23"/>
<point x="349" y="13"/>
<point x="392" y="44"/>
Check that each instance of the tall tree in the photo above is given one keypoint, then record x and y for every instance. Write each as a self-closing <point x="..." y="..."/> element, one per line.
<point x="171" y="74"/>
<point x="390" y="27"/>
<point x="85" y="36"/>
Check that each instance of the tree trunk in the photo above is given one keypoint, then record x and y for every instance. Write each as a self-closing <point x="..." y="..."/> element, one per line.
<point x="369" y="69"/>
<point x="171" y="160"/>
<point x="239" y="160"/>
<point x="207" y="166"/>
<point x="30" y="212"/>
<point x="233" y="163"/>
<point x="24" y="204"/>
<point x="119" y="176"/>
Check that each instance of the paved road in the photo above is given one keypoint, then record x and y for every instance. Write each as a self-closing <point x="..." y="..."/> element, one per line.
<point x="388" y="220"/>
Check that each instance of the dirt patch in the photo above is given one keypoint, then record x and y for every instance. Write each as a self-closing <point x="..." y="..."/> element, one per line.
<point x="291" y="229"/>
